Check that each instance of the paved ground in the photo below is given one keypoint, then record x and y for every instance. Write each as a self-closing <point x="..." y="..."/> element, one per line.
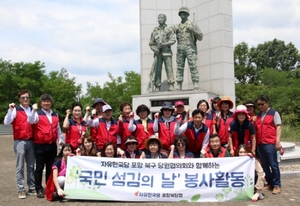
<point x="8" y="190"/>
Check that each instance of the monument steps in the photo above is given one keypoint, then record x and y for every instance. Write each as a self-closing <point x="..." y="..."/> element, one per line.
<point x="291" y="154"/>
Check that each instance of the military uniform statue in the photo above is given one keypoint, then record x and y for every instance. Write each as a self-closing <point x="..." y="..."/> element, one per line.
<point x="160" y="43"/>
<point x="187" y="33"/>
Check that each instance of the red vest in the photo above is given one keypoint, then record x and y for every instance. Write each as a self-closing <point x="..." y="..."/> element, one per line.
<point x="266" y="129"/>
<point x="235" y="136"/>
<point x="195" y="142"/>
<point x="104" y="135"/>
<point x="223" y="128"/>
<point x="74" y="132"/>
<point x="44" y="132"/>
<point x="22" y="130"/>
<point x="140" y="134"/>
<point x="166" y="134"/>
<point x="123" y="131"/>
<point x="209" y="154"/>
<point x="209" y="122"/>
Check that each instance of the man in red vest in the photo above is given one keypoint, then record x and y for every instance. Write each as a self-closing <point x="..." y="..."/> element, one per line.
<point x="196" y="132"/>
<point x="46" y="132"/>
<point x="268" y="134"/>
<point x="23" y="144"/>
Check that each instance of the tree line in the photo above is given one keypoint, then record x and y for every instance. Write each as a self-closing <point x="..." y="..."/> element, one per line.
<point x="271" y="68"/>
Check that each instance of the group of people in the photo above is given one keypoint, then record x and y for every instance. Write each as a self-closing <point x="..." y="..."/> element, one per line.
<point x="211" y="131"/>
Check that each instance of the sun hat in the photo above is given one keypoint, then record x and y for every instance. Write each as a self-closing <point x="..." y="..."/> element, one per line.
<point x="131" y="139"/>
<point x="98" y="100"/>
<point x="179" y="103"/>
<point x="106" y="107"/>
<point x="240" y="109"/>
<point x="167" y="105"/>
<point x="152" y="137"/>
<point x="225" y="99"/>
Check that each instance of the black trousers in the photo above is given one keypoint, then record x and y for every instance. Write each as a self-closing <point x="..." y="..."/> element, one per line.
<point x="44" y="155"/>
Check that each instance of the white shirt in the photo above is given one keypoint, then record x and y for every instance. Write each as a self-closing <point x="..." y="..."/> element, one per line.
<point x="12" y="114"/>
<point x="178" y="130"/>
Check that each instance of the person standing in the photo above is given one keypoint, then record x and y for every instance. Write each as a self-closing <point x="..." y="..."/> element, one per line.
<point x="241" y="131"/>
<point x="226" y="117"/>
<point x="160" y="43"/>
<point x="96" y="113"/>
<point x="164" y="124"/>
<point x="268" y="134"/>
<point x="142" y="128"/>
<point x="196" y="132"/>
<point x="187" y="34"/>
<point x="107" y="129"/>
<point x="46" y="133"/>
<point x="74" y="127"/>
<point x="23" y="144"/>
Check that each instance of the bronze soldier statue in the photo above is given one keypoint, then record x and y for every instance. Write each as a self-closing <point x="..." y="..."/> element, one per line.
<point x="187" y="33"/>
<point x="160" y="43"/>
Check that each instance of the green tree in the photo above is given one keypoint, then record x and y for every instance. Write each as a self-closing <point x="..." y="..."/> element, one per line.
<point x="244" y="71"/>
<point x="63" y="90"/>
<point x="115" y="91"/>
<point x="17" y="76"/>
<point x="275" y="54"/>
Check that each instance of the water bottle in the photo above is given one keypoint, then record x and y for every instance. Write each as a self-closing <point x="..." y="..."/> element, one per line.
<point x="249" y="144"/>
<point x="278" y="156"/>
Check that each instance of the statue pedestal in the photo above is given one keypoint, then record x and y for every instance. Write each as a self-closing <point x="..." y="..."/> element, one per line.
<point x="155" y="100"/>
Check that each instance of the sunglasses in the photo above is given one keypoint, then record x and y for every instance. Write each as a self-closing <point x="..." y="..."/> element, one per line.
<point x="261" y="104"/>
<point x="25" y="97"/>
<point x="180" y="144"/>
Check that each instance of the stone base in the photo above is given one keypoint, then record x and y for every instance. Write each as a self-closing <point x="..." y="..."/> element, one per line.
<point x="155" y="100"/>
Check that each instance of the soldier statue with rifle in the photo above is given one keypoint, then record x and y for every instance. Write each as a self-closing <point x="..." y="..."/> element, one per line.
<point x="187" y="34"/>
<point x="160" y="43"/>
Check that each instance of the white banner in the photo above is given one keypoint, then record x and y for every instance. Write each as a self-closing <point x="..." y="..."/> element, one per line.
<point x="174" y="180"/>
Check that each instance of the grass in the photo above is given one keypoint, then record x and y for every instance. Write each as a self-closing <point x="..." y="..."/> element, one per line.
<point x="290" y="134"/>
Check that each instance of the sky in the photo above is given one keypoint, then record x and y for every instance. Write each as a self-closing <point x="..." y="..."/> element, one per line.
<point x="90" y="38"/>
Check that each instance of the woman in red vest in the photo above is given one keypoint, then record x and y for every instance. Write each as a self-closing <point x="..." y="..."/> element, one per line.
<point x="164" y="124"/>
<point x="75" y="127"/>
<point x="123" y="122"/>
<point x="208" y="119"/>
<point x="241" y="131"/>
<point x="225" y="104"/>
<point x="142" y="128"/>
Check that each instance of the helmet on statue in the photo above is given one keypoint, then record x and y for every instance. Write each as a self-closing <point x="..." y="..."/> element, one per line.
<point x="184" y="9"/>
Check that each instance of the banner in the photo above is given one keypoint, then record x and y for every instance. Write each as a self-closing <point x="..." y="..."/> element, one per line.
<point x="174" y="180"/>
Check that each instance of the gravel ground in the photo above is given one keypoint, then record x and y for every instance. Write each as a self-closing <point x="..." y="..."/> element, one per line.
<point x="290" y="168"/>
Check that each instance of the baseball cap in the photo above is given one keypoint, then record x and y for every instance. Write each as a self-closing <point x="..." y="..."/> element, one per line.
<point x="106" y="107"/>
<point x="179" y="103"/>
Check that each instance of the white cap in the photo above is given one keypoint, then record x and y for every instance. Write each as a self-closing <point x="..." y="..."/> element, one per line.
<point x="106" y="107"/>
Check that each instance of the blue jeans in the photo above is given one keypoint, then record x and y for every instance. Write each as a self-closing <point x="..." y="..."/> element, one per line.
<point x="268" y="158"/>
<point x="24" y="152"/>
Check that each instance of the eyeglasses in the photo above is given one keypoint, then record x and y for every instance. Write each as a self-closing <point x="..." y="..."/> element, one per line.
<point x="262" y="104"/>
<point x="180" y="144"/>
<point x="25" y="97"/>
<point x="143" y="110"/>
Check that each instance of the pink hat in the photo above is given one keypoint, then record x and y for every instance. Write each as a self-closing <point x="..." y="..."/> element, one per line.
<point x="179" y="103"/>
<point x="240" y="109"/>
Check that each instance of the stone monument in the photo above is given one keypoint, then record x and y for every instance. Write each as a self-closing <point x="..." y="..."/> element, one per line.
<point x="214" y="53"/>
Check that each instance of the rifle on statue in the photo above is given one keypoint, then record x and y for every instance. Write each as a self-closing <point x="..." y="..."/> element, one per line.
<point x="150" y="87"/>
